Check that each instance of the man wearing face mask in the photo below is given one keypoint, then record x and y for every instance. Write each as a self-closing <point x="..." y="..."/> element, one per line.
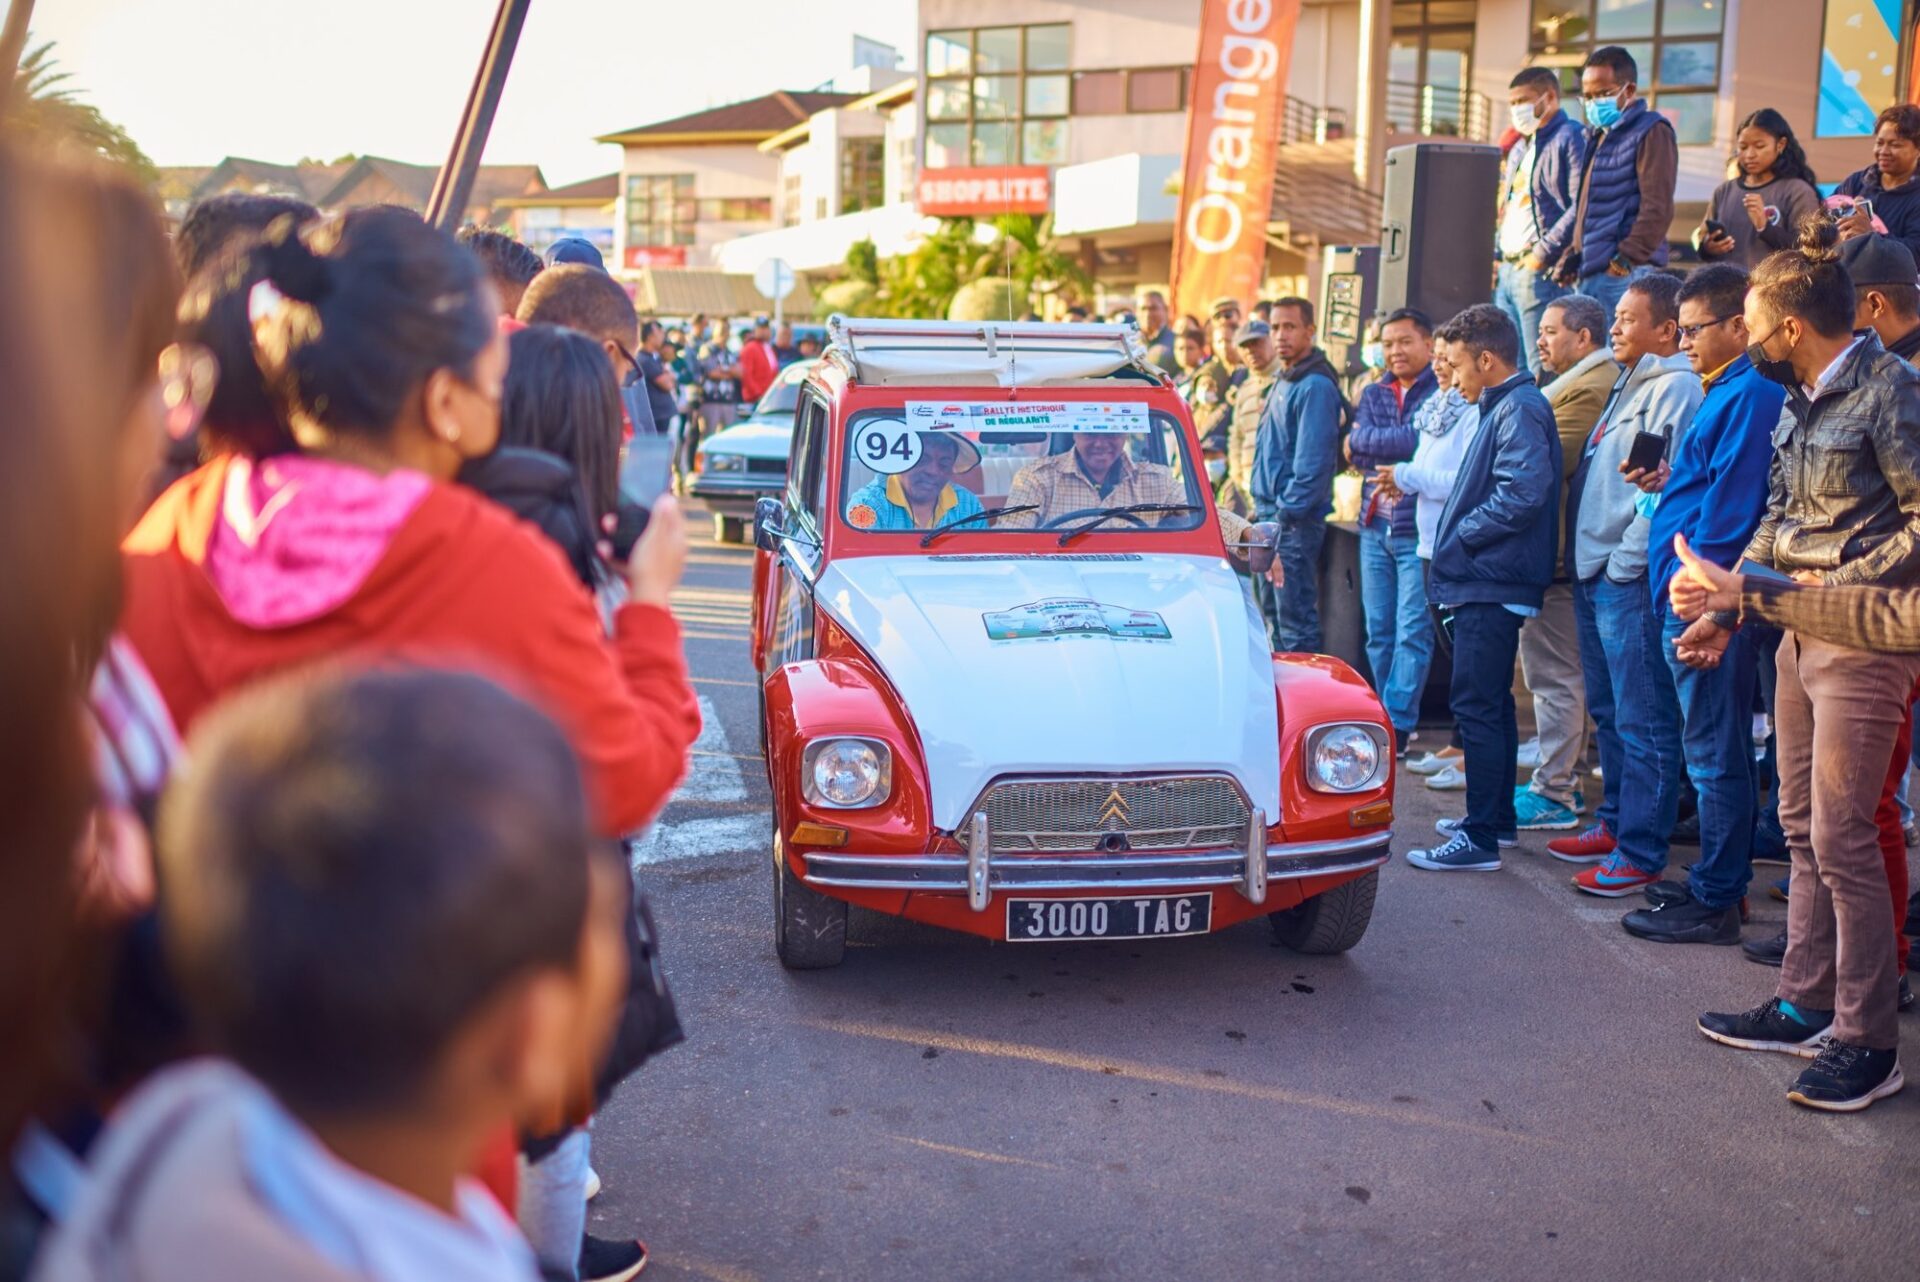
<point x="1843" y="508"/>
<point x="1619" y="222"/>
<point x="1542" y="179"/>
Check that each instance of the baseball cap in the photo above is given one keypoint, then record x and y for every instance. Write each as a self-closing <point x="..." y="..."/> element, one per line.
<point x="572" y="249"/>
<point x="1223" y="304"/>
<point x="1255" y="328"/>
<point x="1878" y="260"/>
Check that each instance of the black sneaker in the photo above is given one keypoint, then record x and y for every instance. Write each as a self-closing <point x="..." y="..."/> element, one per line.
<point x="1768" y="1028"/>
<point x="1767" y="952"/>
<point x="1906" y="994"/>
<point x="605" y="1260"/>
<point x="1845" y="1078"/>
<point x="1400" y="741"/>
<point x="1687" y="921"/>
<point x="1666" y="892"/>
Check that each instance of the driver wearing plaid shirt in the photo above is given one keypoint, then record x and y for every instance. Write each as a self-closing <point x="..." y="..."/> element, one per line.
<point x="1067" y="483"/>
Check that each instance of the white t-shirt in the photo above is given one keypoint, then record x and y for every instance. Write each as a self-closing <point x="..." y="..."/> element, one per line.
<point x="1517" y="229"/>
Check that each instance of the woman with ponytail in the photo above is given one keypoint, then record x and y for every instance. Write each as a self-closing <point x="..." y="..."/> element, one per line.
<point x="1844" y="508"/>
<point x="361" y="368"/>
<point x="1758" y="211"/>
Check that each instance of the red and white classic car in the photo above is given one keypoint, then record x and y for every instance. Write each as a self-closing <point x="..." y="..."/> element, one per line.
<point x="1012" y="680"/>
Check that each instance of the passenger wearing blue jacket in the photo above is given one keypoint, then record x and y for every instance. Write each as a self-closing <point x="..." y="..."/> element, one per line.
<point x="1538" y="189"/>
<point x="1393" y="580"/>
<point x="1714" y="492"/>
<point x="1493" y="558"/>
<point x="1296" y="452"/>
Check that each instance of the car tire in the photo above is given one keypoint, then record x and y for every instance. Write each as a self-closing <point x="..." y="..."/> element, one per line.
<point x="809" y="928"/>
<point x="1332" y="921"/>
<point x="729" y="529"/>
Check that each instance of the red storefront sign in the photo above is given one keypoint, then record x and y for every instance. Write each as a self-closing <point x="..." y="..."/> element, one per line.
<point x="1233" y="117"/>
<point x="1001" y="189"/>
<point x="656" y="256"/>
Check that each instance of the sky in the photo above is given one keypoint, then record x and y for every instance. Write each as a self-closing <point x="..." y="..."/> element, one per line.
<point x="275" y="80"/>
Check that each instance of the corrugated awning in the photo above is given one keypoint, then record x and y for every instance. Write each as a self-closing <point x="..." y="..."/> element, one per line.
<point x="686" y="291"/>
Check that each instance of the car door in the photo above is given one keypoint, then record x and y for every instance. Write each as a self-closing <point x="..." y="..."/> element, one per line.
<point x="797" y="564"/>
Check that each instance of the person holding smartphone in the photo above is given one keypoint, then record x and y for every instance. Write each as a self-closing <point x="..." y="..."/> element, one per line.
<point x="1888" y="185"/>
<point x="1759" y="212"/>
<point x="1630" y="693"/>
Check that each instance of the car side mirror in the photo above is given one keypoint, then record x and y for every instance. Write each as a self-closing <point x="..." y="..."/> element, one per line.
<point x="1261" y="544"/>
<point x="769" y="524"/>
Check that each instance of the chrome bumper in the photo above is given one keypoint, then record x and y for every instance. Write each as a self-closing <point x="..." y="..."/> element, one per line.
<point x="979" y="876"/>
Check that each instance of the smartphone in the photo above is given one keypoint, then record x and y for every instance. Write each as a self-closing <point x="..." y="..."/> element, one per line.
<point x="1647" y="450"/>
<point x="1865" y="207"/>
<point x="1755" y="570"/>
<point x="647" y="469"/>
<point x="1715" y="228"/>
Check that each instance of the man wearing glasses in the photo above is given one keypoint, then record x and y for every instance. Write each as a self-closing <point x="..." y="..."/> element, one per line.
<point x="1714" y="492"/>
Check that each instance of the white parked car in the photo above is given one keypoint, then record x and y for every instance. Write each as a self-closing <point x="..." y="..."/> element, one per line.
<point x="735" y="466"/>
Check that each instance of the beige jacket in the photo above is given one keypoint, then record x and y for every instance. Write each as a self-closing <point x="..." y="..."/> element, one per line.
<point x="1243" y="433"/>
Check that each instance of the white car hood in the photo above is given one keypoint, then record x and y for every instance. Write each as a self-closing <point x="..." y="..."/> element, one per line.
<point x="755" y="438"/>
<point x="1200" y="700"/>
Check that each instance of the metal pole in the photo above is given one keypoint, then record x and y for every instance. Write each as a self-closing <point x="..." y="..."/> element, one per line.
<point x="13" y="42"/>
<point x="454" y="184"/>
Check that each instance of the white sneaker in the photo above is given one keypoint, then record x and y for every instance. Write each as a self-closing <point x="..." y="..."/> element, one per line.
<point x="593" y="1184"/>
<point x="1429" y="763"/>
<point x="1528" y="757"/>
<point x="1450" y="778"/>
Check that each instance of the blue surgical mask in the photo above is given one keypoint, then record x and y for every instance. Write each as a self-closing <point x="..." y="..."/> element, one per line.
<point x="1373" y="356"/>
<point x="1603" y="113"/>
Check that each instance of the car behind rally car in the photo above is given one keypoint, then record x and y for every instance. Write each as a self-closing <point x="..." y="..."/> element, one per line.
<point x="735" y="466"/>
<point x="1012" y="681"/>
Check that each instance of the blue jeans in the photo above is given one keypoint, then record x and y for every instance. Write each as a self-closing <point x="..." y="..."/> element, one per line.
<point x="1292" y="612"/>
<point x="1598" y="679"/>
<point x="1393" y="595"/>
<point x="552" y="1208"/>
<point x="1523" y="295"/>
<point x="1646" y="718"/>
<point x="1486" y="641"/>
<point x="1606" y="288"/>
<point x="1716" y="709"/>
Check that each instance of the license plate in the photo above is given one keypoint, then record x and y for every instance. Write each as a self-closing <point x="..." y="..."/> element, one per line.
<point x="1034" y="921"/>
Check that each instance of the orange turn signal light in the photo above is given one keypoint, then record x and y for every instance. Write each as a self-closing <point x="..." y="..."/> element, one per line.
<point x="813" y="834"/>
<point x="1371" y="815"/>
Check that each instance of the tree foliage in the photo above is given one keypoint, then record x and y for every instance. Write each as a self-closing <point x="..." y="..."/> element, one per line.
<point x="1015" y="251"/>
<point x="45" y="110"/>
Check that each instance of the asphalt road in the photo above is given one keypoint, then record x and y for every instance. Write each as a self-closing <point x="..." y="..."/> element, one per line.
<point x="1498" y="1082"/>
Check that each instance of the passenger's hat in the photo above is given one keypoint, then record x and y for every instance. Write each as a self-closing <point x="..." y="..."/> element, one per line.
<point x="573" y="249"/>
<point x="1878" y="260"/>
<point x="1255" y="328"/>
<point x="1224" y="304"/>
<point x="966" y="454"/>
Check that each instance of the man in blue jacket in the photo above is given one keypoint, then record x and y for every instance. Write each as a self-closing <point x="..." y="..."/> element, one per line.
<point x="1714" y="492"/>
<point x="1541" y="183"/>
<point x="1619" y="222"/>
<point x="1492" y="561"/>
<point x="1393" y="580"/>
<point x="1296" y="452"/>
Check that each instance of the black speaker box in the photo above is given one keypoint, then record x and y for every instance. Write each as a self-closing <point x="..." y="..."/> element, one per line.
<point x="1437" y="227"/>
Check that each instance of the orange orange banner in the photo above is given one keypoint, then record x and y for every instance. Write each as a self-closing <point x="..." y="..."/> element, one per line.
<point x="1233" y="129"/>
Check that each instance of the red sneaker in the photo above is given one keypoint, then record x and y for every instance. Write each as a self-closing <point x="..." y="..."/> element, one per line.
<point x="1587" y="847"/>
<point x="1614" y="879"/>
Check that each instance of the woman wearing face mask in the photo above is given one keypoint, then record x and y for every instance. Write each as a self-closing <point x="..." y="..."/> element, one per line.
<point x="1759" y="211"/>
<point x="1888" y="183"/>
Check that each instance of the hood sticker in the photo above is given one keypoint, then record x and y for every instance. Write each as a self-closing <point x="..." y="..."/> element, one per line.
<point x="1059" y="617"/>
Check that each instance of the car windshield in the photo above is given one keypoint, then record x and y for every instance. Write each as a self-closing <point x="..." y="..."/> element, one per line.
<point x="929" y="465"/>
<point x="782" y="398"/>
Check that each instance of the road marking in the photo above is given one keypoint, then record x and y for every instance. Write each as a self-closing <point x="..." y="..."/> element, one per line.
<point x="670" y="842"/>
<point x="1162" y="1077"/>
<point x="718" y="776"/>
<point x="742" y="639"/>
<point x="976" y="1154"/>
<point x="721" y="681"/>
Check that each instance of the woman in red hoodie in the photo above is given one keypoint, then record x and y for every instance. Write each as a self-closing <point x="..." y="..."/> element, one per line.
<point x="373" y="340"/>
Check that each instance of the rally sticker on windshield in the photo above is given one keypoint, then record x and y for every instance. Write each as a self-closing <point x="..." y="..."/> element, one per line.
<point x="1130" y="417"/>
<point x="1060" y="617"/>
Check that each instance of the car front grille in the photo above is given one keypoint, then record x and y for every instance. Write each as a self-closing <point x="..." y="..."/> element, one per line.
<point x="1196" y="812"/>
<point x="773" y="466"/>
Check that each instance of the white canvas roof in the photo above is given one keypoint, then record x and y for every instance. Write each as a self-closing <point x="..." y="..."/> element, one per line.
<point x="905" y="353"/>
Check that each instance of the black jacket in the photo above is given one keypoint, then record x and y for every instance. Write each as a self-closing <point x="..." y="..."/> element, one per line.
<point x="541" y="488"/>
<point x="1843" y="497"/>
<point x="1496" y="537"/>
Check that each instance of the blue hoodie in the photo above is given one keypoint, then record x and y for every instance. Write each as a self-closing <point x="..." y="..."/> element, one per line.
<point x="1297" y="447"/>
<point x="1718" y="491"/>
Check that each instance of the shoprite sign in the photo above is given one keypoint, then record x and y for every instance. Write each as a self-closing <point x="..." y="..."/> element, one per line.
<point x="1233" y="123"/>
<point x="1002" y="189"/>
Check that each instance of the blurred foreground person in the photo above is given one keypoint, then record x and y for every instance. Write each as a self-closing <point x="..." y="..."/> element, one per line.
<point x="391" y="915"/>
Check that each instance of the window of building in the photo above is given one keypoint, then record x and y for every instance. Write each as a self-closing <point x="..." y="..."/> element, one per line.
<point x="1675" y="43"/>
<point x="736" y="209"/>
<point x="1157" y="89"/>
<point x="1430" y="69"/>
<point x="863" y="176"/>
<point x="661" y="209"/>
<point x="789" y="199"/>
<point x="997" y="96"/>
<point x="1137" y="89"/>
<point x="1859" y="67"/>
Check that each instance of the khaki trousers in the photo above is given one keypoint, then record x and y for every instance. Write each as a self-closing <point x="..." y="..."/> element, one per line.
<point x="1550" y="662"/>
<point x="1838" y="712"/>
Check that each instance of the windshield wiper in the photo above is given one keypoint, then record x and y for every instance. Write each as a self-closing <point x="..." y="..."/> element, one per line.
<point x="1112" y="512"/>
<point x="984" y="514"/>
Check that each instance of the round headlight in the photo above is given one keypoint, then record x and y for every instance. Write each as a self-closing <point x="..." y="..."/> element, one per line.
<point x="1345" y="759"/>
<point x="848" y="772"/>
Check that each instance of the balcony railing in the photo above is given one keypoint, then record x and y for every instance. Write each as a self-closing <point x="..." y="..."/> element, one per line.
<point x="1439" y="111"/>
<point x="1304" y="122"/>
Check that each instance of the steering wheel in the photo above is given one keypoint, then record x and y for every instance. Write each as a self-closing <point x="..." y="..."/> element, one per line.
<point x="1132" y="518"/>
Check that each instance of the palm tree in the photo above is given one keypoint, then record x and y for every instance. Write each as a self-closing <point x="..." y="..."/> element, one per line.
<point x="45" y="110"/>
